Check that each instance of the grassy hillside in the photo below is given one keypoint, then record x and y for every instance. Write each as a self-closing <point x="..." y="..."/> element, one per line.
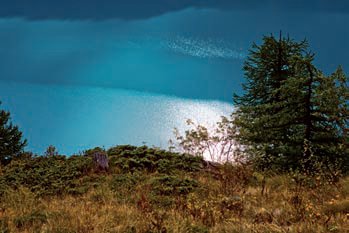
<point x="150" y="190"/>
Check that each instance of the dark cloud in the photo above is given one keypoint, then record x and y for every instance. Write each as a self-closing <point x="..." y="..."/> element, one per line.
<point x="141" y="9"/>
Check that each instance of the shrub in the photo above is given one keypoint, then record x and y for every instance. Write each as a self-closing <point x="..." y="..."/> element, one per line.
<point x="122" y="185"/>
<point x="51" y="151"/>
<point x="131" y="159"/>
<point x="36" y="219"/>
<point x="196" y="229"/>
<point x="4" y="228"/>
<point x="47" y="175"/>
<point x="234" y="177"/>
<point x="172" y="185"/>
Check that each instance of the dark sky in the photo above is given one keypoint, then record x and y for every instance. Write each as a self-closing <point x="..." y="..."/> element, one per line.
<point x="141" y="9"/>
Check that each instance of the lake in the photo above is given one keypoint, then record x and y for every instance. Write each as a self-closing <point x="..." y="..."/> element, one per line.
<point x="75" y="118"/>
<point x="77" y="83"/>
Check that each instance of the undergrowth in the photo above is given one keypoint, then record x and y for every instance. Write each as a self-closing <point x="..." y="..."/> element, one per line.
<point x="149" y="190"/>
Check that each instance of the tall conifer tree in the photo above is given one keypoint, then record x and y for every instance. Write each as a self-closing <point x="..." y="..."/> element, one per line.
<point x="11" y="142"/>
<point x="290" y="112"/>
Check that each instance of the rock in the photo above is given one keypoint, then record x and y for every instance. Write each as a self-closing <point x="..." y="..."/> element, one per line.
<point x="101" y="161"/>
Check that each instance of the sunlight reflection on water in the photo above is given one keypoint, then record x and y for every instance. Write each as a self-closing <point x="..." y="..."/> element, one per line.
<point x="77" y="118"/>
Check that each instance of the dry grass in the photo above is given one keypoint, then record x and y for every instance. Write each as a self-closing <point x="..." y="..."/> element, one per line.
<point x="282" y="207"/>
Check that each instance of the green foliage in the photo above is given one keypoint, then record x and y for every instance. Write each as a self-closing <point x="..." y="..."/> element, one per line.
<point x="36" y="219"/>
<point x="51" y="151"/>
<point x="172" y="185"/>
<point x="123" y="181"/>
<point x="191" y="228"/>
<point x="218" y="145"/>
<point x="331" y="138"/>
<point x="290" y="111"/>
<point x="11" y="142"/>
<point x="131" y="159"/>
<point x="156" y="171"/>
<point x="48" y="175"/>
<point x="57" y="175"/>
<point x="124" y="184"/>
<point x="211" y="198"/>
<point x="91" y="152"/>
<point x="4" y="225"/>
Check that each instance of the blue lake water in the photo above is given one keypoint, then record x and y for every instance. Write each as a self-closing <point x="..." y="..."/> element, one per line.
<point x="77" y="84"/>
<point x="77" y="118"/>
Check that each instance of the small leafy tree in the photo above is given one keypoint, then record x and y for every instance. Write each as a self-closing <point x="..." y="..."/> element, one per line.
<point x="217" y="145"/>
<point x="51" y="151"/>
<point x="11" y="142"/>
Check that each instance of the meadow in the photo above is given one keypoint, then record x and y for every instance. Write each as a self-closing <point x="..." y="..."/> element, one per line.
<point x="151" y="190"/>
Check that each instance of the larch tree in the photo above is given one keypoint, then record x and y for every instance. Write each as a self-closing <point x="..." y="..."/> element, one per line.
<point x="290" y="113"/>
